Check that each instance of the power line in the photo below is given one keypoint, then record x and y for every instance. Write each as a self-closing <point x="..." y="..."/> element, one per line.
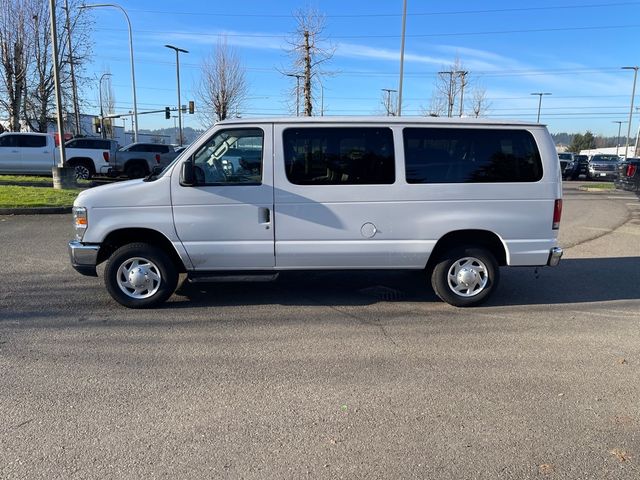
<point x="393" y="15"/>
<point x="415" y="35"/>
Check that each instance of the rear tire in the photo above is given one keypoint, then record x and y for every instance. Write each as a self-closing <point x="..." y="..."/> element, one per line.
<point x="139" y="275"/>
<point x="83" y="170"/>
<point x="465" y="276"/>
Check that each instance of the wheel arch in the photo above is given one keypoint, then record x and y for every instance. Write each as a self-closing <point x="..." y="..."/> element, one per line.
<point x="120" y="237"/>
<point x="467" y="238"/>
<point x="136" y="161"/>
<point x="88" y="162"/>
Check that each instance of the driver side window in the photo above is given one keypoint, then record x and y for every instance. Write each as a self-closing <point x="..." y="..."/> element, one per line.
<point x="230" y="157"/>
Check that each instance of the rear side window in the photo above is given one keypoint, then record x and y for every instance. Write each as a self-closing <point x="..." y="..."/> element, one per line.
<point x="465" y="155"/>
<point x="339" y="156"/>
<point x="32" y="141"/>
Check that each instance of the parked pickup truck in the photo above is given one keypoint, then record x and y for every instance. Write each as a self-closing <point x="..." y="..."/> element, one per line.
<point x="36" y="154"/>
<point x="628" y="175"/>
<point x="138" y="159"/>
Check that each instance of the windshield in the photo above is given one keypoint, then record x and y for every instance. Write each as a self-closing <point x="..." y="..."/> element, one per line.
<point x="605" y="158"/>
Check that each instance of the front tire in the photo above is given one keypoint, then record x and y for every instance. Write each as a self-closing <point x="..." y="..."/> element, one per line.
<point x="139" y="275"/>
<point x="466" y="276"/>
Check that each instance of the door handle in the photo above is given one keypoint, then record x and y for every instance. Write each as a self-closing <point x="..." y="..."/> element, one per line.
<point x="264" y="216"/>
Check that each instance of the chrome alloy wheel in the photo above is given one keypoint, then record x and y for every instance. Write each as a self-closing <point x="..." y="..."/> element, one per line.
<point x="82" y="173"/>
<point x="139" y="278"/>
<point x="467" y="277"/>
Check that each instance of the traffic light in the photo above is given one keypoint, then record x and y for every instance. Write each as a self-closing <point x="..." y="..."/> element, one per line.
<point x="192" y="106"/>
<point x="167" y="113"/>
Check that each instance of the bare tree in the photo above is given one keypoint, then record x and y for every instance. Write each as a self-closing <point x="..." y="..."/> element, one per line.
<point x="14" y="58"/>
<point x="108" y="103"/>
<point x="26" y="67"/>
<point x="479" y="104"/>
<point x="308" y="51"/>
<point x="223" y="86"/>
<point x="437" y="107"/>
<point x="39" y="99"/>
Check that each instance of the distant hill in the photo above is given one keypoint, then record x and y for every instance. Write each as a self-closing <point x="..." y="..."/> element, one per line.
<point x="189" y="134"/>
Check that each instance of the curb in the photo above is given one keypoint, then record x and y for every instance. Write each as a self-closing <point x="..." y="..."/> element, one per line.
<point x="35" y="211"/>
<point x="592" y="189"/>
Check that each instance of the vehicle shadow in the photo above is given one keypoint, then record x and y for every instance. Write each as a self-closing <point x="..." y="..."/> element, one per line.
<point x="585" y="280"/>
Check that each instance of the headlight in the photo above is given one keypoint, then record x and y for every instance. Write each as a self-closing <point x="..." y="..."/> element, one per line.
<point x="80" y="221"/>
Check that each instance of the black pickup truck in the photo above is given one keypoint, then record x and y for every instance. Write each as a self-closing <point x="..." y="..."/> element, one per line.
<point x="629" y="175"/>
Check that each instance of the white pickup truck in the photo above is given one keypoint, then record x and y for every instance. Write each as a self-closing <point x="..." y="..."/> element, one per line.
<point x="36" y="154"/>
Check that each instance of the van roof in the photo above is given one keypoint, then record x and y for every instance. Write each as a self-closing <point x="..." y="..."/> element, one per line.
<point x="381" y="120"/>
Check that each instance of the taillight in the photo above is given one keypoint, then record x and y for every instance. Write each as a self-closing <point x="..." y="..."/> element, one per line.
<point x="631" y="170"/>
<point x="557" y="214"/>
<point x="157" y="158"/>
<point x="105" y="155"/>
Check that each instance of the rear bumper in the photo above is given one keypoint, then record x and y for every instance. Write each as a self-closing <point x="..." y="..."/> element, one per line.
<point x="84" y="258"/>
<point x="555" y="254"/>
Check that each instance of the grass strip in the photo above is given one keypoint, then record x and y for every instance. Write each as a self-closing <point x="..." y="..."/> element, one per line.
<point x="12" y="196"/>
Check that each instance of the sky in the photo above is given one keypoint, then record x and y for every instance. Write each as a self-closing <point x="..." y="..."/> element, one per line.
<point x="573" y="50"/>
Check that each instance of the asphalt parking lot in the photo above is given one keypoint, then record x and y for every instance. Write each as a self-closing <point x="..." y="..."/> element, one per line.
<point x="327" y="375"/>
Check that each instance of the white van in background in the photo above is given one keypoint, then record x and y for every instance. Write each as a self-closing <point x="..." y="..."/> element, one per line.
<point x="457" y="198"/>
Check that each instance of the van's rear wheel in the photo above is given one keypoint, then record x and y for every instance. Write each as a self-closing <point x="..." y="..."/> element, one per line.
<point x="465" y="277"/>
<point x="139" y="275"/>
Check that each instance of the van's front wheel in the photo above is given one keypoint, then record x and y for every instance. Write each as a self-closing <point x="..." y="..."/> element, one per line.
<point x="139" y="275"/>
<point x="465" y="277"/>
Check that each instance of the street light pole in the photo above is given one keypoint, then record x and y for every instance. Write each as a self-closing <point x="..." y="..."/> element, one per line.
<point x="540" y="94"/>
<point x="102" y="132"/>
<point x="633" y="94"/>
<point x="178" y="51"/>
<point x="619" y="127"/>
<point x="133" y="72"/>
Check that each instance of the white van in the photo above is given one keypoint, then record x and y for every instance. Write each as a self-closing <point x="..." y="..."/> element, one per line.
<point x="252" y="197"/>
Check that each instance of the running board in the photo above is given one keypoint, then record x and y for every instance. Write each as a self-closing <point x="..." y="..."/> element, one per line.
<point x="219" y="277"/>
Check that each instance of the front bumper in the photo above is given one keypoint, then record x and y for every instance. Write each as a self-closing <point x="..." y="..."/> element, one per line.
<point x="84" y="257"/>
<point x="555" y="254"/>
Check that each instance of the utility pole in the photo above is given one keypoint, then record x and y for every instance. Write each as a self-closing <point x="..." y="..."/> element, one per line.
<point x="463" y="83"/>
<point x="450" y="99"/>
<point x="297" y="77"/>
<point x="404" y="29"/>
<point x="62" y="177"/>
<point x="388" y="103"/>
<point x="540" y="94"/>
<point x="74" y="85"/>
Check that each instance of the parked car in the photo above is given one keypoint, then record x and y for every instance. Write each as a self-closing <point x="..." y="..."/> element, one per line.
<point x="137" y="160"/>
<point x="628" y="175"/>
<point x="81" y="154"/>
<point x="603" y="167"/>
<point x="36" y="154"/>
<point x="565" y="159"/>
<point x="455" y="199"/>
<point x="577" y="168"/>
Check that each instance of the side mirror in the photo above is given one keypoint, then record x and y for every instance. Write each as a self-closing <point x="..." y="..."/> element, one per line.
<point x="187" y="175"/>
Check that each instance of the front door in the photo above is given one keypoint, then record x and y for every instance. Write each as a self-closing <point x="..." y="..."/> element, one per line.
<point x="225" y="220"/>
